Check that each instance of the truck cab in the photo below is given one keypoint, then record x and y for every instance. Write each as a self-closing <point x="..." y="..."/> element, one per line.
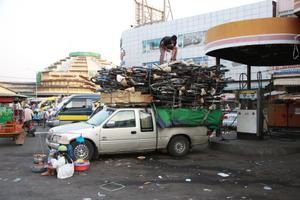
<point x="122" y="130"/>
<point x="72" y="109"/>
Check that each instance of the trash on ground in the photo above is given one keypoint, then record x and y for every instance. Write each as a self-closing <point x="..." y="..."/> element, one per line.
<point x="147" y="183"/>
<point x="248" y="170"/>
<point x="188" y="180"/>
<point x="112" y="186"/>
<point x="267" y="188"/>
<point x="17" y="180"/>
<point x="223" y="174"/>
<point x="101" y="195"/>
<point x="160" y="177"/>
<point x="141" y="157"/>
<point x="207" y="190"/>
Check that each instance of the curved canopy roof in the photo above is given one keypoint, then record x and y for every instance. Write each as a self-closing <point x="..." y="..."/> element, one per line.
<point x="256" y="42"/>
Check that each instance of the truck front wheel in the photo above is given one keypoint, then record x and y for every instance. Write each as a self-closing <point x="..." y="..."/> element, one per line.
<point x="179" y="146"/>
<point x="83" y="150"/>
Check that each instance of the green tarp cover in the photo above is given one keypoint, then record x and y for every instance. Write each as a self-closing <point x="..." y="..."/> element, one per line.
<point x="168" y="117"/>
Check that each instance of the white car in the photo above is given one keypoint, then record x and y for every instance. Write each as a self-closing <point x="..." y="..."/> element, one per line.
<point x="230" y="119"/>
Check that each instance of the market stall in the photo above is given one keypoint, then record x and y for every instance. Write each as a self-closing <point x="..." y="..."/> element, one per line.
<point x="11" y="115"/>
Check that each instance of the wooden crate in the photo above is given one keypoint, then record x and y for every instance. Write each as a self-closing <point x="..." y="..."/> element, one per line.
<point x="125" y="97"/>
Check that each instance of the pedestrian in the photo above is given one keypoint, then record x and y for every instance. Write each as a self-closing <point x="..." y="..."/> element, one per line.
<point x="168" y="44"/>
<point x="28" y="114"/>
<point x="60" y="162"/>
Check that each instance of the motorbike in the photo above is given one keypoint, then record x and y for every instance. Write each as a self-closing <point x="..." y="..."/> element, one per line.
<point x="29" y="128"/>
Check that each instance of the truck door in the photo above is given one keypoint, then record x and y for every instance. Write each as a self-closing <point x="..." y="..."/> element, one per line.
<point x="147" y="133"/>
<point x="119" y="133"/>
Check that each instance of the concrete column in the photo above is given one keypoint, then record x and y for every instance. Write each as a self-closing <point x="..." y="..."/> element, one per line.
<point x="248" y="77"/>
<point x="218" y="61"/>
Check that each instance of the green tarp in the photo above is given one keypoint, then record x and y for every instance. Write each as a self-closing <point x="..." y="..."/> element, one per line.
<point x="168" y="117"/>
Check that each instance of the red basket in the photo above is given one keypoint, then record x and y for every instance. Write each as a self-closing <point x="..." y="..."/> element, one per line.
<point x="80" y="167"/>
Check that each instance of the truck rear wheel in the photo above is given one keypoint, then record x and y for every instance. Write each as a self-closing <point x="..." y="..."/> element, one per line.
<point x="83" y="150"/>
<point x="179" y="146"/>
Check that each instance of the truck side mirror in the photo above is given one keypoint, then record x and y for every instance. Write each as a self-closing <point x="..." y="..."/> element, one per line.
<point x="110" y="124"/>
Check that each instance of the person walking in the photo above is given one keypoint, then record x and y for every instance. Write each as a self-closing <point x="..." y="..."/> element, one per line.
<point x="168" y="44"/>
<point x="28" y="113"/>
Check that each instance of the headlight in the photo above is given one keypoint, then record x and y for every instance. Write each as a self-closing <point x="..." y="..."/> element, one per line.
<point x="56" y="138"/>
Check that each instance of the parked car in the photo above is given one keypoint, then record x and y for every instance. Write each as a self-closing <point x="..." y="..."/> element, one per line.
<point x="230" y="119"/>
<point x="74" y="108"/>
<point x="121" y="130"/>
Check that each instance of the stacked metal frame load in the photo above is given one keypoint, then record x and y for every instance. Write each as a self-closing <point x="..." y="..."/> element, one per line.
<point x="177" y="84"/>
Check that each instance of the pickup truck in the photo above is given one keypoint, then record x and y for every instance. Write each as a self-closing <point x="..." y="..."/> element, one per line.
<point x="124" y="130"/>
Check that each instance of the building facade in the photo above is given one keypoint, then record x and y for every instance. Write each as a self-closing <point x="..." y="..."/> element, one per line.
<point x="140" y="46"/>
<point x="71" y="75"/>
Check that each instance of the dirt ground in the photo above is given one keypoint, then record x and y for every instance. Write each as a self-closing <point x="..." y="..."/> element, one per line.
<point x="157" y="177"/>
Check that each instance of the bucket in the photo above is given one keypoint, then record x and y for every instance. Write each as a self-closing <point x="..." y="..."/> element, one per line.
<point x="81" y="166"/>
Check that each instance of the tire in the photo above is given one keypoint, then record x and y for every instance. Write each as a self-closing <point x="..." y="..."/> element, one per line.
<point x="178" y="146"/>
<point x="84" y="150"/>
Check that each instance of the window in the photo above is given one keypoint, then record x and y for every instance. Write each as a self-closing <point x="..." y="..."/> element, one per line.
<point x="123" y="119"/>
<point x="146" y="121"/>
<point x="77" y="103"/>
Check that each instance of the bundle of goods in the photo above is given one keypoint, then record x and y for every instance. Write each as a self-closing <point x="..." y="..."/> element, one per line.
<point x="177" y="83"/>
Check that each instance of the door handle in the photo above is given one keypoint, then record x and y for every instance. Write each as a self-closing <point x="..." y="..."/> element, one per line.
<point x="133" y="132"/>
<point x="104" y="138"/>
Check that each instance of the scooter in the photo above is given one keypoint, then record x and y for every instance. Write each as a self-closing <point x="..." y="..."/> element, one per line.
<point x="29" y="128"/>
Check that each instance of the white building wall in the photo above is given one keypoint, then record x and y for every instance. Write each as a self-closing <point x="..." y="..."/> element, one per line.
<point x="132" y="40"/>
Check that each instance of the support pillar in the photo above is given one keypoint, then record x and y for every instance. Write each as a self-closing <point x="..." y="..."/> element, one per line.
<point x="248" y="77"/>
<point x="218" y="61"/>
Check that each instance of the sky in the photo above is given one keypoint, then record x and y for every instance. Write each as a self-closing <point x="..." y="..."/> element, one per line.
<point x="36" y="33"/>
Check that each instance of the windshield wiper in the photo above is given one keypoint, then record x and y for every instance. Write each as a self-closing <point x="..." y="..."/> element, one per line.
<point x="90" y="123"/>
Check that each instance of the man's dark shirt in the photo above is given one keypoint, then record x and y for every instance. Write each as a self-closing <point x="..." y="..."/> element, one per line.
<point x="166" y="41"/>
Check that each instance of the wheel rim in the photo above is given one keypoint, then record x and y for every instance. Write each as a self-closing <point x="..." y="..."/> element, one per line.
<point x="81" y="151"/>
<point x="180" y="147"/>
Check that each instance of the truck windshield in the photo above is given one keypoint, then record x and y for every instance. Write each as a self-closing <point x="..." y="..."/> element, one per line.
<point x="100" y="116"/>
<point x="61" y="104"/>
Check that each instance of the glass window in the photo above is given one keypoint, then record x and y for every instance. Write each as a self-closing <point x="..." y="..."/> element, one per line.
<point x="77" y="103"/>
<point x="123" y="119"/>
<point x="146" y="121"/>
<point x="100" y="116"/>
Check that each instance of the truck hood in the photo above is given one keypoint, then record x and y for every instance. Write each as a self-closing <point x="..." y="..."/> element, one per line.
<point x="74" y="127"/>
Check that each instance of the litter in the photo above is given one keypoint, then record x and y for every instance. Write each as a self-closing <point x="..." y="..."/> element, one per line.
<point x="101" y="195"/>
<point x="160" y="177"/>
<point x="188" y="180"/>
<point x="267" y="188"/>
<point x="141" y="157"/>
<point x="207" y="190"/>
<point x="112" y="186"/>
<point x="223" y="174"/>
<point x="147" y="183"/>
<point x="17" y="180"/>
<point x="248" y="170"/>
